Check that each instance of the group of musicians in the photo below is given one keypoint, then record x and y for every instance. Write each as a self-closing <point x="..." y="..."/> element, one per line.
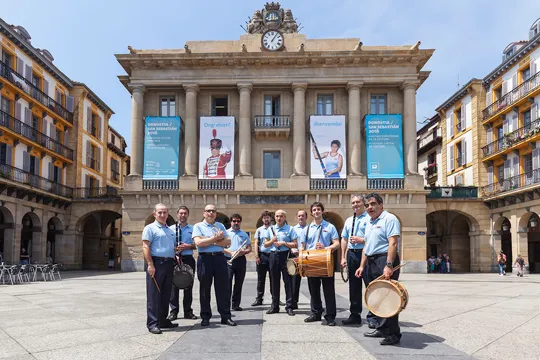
<point x="369" y="242"/>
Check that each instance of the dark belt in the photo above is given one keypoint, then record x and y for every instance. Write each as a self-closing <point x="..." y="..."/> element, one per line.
<point x="211" y="253"/>
<point x="356" y="250"/>
<point x="279" y="252"/>
<point x="162" y="258"/>
<point x="376" y="256"/>
<point x="184" y="256"/>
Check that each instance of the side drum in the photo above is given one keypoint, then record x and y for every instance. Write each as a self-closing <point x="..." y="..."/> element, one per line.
<point x="292" y="266"/>
<point x="316" y="263"/>
<point x="386" y="298"/>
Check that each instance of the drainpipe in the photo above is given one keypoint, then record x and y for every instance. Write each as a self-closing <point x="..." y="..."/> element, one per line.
<point x="492" y="243"/>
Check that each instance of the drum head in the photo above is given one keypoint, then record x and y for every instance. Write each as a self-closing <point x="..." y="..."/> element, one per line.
<point x="383" y="299"/>
<point x="183" y="276"/>
<point x="291" y="267"/>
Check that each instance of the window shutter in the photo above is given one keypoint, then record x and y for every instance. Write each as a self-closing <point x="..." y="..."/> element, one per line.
<point x="18" y="111"/>
<point x="514" y="81"/>
<point x="60" y="175"/>
<point x="535" y="158"/>
<point x="89" y="119"/>
<point x="20" y="66"/>
<point x="44" y="126"/>
<point x="504" y="87"/>
<point x="52" y="131"/>
<point x="514" y="122"/>
<point x="46" y="87"/>
<point x="516" y="166"/>
<point x="28" y="116"/>
<point x="488" y="98"/>
<point x="506" y="168"/>
<point x="505" y="127"/>
<point x="533" y="68"/>
<point x="534" y="111"/>
<point x="450" y="121"/>
<point x="8" y="154"/>
<point x="26" y="161"/>
<point x="97" y="183"/>
<point x="490" y="135"/>
<point x="490" y="175"/>
<point x="463" y="115"/>
<point x="66" y="137"/>
<point x="88" y="153"/>
<point x="69" y="103"/>
<point x="28" y="72"/>
<point x="86" y="181"/>
<point x="51" y="171"/>
<point x="464" y="152"/>
<point x="98" y="156"/>
<point x="57" y="96"/>
<point x="451" y="156"/>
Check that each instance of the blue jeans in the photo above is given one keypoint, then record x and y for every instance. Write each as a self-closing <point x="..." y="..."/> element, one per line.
<point x="501" y="269"/>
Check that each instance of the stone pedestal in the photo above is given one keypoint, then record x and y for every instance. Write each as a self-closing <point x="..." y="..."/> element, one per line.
<point x="188" y="183"/>
<point x="133" y="183"/>
<point x="356" y="183"/>
<point x="243" y="183"/>
<point x="299" y="183"/>
<point x="414" y="182"/>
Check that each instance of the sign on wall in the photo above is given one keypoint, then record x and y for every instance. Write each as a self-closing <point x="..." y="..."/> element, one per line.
<point x="161" y="147"/>
<point x="384" y="143"/>
<point x="328" y="147"/>
<point x="216" y="153"/>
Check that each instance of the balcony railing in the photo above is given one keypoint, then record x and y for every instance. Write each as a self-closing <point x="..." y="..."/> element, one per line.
<point x="512" y="96"/>
<point x="512" y="183"/>
<point x="156" y="185"/>
<point x="431" y="136"/>
<point x="431" y="171"/>
<point x="25" y="85"/>
<point x="24" y="177"/>
<point x="455" y="192"/>
<point x="272" y="122"/>
<point x="512" y="139"/>
<point x="385" y="184"/>
<point x="220" y="184"/>
<point x="108" y="192"/>
<point x="30" y="133"/>
<point x="328" y="184"/>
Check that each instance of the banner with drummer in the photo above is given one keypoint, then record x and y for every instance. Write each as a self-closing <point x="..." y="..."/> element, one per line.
<point x="216" y="153"/>
<point x="328" y="147"/>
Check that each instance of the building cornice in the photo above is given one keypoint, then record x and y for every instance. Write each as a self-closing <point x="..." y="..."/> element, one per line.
<point x="94" y="98"/>
<point x="460" y="94"/>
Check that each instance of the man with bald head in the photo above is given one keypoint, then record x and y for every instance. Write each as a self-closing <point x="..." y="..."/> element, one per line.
<point x="282" y="241"/>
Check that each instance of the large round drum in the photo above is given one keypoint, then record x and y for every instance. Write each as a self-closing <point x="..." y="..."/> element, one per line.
<point x="183" y="276"/>
<point x="316" y="263"/>
<point x="386" y="298"/>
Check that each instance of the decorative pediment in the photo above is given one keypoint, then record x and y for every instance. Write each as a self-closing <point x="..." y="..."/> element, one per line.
<point x="272" y="17"/>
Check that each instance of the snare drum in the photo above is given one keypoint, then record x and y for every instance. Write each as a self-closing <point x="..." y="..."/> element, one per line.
<point x="292" y="266"/>
<point x="316" y="263"/>
<point x="386" y="298"/>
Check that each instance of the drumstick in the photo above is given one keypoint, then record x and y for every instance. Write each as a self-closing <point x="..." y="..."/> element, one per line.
<point x="394" y="269"/>
<point x="155" y="282"/>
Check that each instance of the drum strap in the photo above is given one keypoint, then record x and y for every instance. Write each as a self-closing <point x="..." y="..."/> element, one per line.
<point x="307" y="233"/>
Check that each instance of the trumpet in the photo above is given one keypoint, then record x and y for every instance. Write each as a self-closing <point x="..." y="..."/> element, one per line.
<point x="237" y="252"/>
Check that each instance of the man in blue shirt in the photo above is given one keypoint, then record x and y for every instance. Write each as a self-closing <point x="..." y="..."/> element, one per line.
<point x="158" y="251"/>
<point x="320" y="234"/>
<point x="380" y="257"/>
<point x="301" y="217"/>
<point x="282" y="241"/>
<point x="184" y="251"/>
<point x="240" y="242"/>
<point x="211" y="238"/>
<point x="352" y="244"/>
<point x="262" y="255"/>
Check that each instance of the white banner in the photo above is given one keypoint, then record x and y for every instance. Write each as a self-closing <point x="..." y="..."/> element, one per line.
<point x="328" y="147"/>
<point x="216" y="153"/>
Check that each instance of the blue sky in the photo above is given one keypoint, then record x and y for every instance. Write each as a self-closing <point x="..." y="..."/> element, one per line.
<point x="468" y="35"/>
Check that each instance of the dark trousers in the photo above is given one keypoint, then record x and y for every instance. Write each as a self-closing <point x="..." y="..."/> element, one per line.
<point x="210" y="268"/>
<point x="296" y="282"/>
<point x="374" y="268"/>
<point x="329" y="290"/>
<point x="278" y="269"/>
<point x="157" y="304"/>
<point x="262" y="269"/>
<point x="238" y="271"/>
<point x="355" y="284"/>
<point x="188" y="292"/>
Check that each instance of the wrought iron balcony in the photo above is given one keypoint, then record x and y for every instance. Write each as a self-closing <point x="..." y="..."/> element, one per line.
<point x="24" y="177"/>
<point x="25" y="85"/>
<point x="454" y="192"/>
<point x="156" y="185"/>
<point x="513" y="96"/>
<point x="328" y="184"/>
<point x="513" y="183"/>
<point x="88" y="193"/>
<point x="216" y="184"/>
<point x="431" y="171"/>
<point x="385" y="184"/>
<point x="513" y="138"/>
<point x="30" y="133"/>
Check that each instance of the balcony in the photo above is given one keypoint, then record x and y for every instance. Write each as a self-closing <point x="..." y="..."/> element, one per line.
<point x="276" y="126"/>
<point x="518" y="182"/>
<point x="512" y="97"/>
<point x="219" y="184"/>
<point x="514" y="138"/>
<point x="100" y="193"/>
<point x="157" y="185"/>
<point x="385" y="184"/>
<point x="328" y="184"/>
<point x="33" y="91"/>
<point x="9" y="172"/>
<point x="32" y="134"/>
<point x="453" y="192"/>
<point x="431" y="171"/>
<point x="428" y="142"/>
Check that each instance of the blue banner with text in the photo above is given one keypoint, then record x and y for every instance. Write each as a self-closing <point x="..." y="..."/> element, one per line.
<point x="161" y="147"/>
<point x="384" y="143"/>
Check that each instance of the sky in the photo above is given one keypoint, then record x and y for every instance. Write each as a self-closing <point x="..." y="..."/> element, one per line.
<point x="468" y="35"/>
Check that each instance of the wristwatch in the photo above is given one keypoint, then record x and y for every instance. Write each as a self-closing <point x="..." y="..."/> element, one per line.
<point x="389" y="264"/>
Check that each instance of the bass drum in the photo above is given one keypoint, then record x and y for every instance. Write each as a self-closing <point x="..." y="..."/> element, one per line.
<point x="183" y="276"/>
<point x="386" y="298"/>
<point x="316" y="263"/>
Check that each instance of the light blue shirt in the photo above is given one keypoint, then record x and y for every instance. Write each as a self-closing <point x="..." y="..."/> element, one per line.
<point x="325" y="233"/>
<point x="299" y="230"/>
<point x="378" y="231"/>
<point x="285" y="233"/>
<point x="187" y="232"/>
<point x="162" y="239"/>
<point x="237" y="239"/>
<point x="359" y="229"/>
<point x="205" y="229"/>
<point x="263" y="233"/>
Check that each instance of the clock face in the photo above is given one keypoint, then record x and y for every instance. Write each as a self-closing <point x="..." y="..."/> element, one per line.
<point x="272" y="40"/>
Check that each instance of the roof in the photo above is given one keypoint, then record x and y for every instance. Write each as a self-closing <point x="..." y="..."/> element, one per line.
<point x="432" y="121"/>
<point x="94" y="98"/>
<point x="461" y="93"/>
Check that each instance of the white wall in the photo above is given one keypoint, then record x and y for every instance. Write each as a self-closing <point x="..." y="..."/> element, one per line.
<point x="534" y="56"/>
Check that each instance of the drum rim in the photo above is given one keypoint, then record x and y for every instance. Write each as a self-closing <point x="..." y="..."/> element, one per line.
<point x="393" y="283"/>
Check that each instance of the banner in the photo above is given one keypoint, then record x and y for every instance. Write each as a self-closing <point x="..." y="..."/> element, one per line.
<point x="384" y="143"/>
<point x="216" y="153"/>
<point x="328" y="147"/>
<point x="161" y="147"/>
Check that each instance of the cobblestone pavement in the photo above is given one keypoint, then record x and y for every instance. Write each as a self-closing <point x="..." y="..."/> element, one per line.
<point x="99" y="315"/>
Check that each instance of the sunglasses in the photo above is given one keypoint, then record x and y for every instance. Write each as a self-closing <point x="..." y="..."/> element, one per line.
<point x="210" y="211"/>
<point x="236" y="221"/>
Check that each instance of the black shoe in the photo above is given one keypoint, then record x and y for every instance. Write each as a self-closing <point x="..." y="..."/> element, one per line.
<point x="172" y="316"/>
<point x="352" y="320"/>
<point x="294" y="307"/>
<point x="290" y="312"/>
<point x="272" y="311"/>
<point x="229" y="322"/>
<point x="391" y="340"/>
<point x="330" y="322"/>
<point x="190" y="316"/>
<point x="257" y="303"/>
<point x="375" y="334"/>
<point x="281" y="303"/>
<point x="237" y="308"/>
<point x="372" y="325"/>
<point x="155" y="330"/>
<point x="312" y="318"/>
<point x="205" y="322"/>
<point x="168" y="325"/>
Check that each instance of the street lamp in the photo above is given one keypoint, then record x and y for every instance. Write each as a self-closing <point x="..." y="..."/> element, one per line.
<point x="534" y="221"/>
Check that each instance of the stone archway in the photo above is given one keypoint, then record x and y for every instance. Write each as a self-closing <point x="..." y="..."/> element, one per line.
<point x="96" y="244"/>
<point x="505" y="230"/>
<point x="6" y="235"/>
<point x="30" y="249"/>
<point x="54" y="229"/>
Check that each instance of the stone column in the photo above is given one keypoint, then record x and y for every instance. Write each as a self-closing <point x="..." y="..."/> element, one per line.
<point x="409" y="128"/>
<point x="245" y="129"/>
<point x="191" y="130"/>
<point x="354" y="139"/>
<point x="137" y="130"/>
<point x="299" y="130"/>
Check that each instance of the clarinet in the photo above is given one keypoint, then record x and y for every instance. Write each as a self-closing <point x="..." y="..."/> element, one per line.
<point x="352" y="228"/>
